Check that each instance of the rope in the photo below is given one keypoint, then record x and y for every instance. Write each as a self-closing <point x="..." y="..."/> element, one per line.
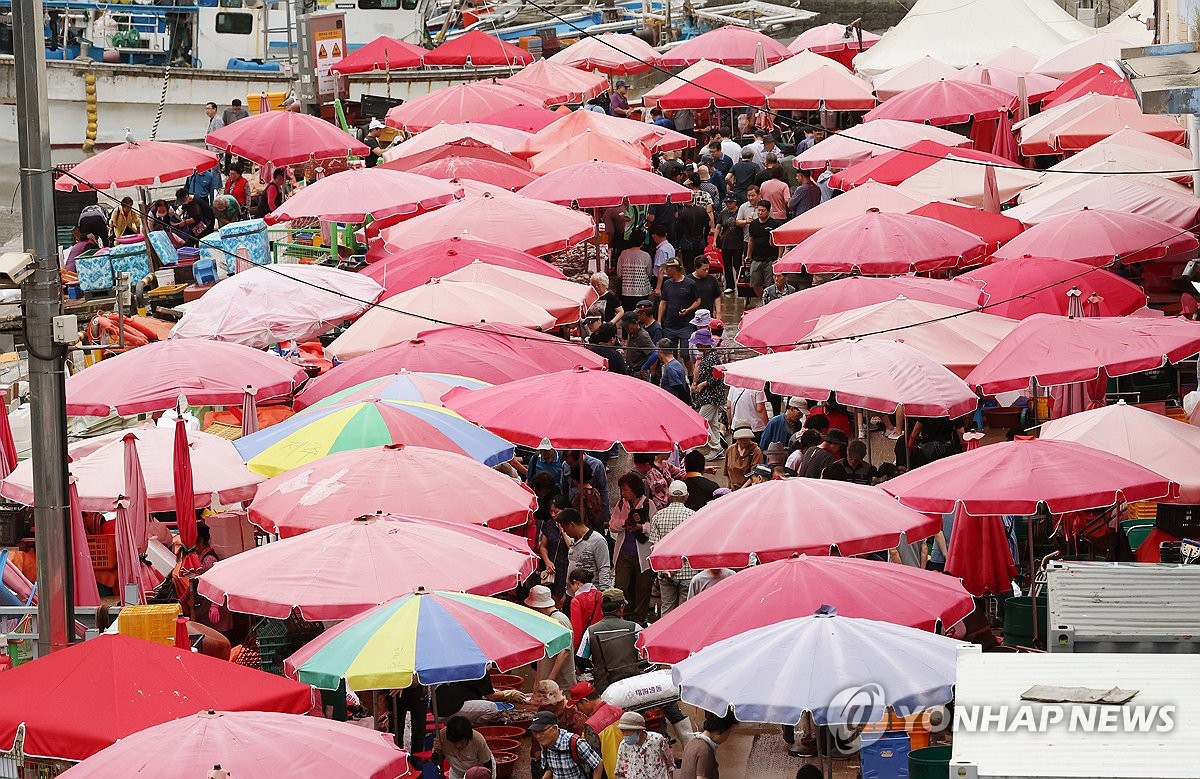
<point x="162" y="103"/>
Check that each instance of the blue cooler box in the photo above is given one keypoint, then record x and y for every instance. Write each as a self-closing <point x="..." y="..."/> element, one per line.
<point x="95" y="272"/>
<point x="887" y="756"/>
<point x="214" y="248"/>
<point x="250" y="235"/>
<point x="131" y="258"/>
<point x="163" y="248"/>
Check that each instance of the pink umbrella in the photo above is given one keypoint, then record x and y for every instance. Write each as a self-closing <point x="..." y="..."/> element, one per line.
<point x="569" y="85"/>
<point x="808" y="516"/>
<point x="1038" y="86"/>
<point x="1015" y="477"/>
<point x="1162" y="200"/>
<point x="993" y="229"/>
<point x="966" y="182"/>
<point x="864" y="141"/>
<point x="137" y="164"/>
<point x="285" y="138"/>
<point x="396" y="479"/>
<point x="979" y="555"/>
<point x="8" y="445"/>
<point x="352" y="566"/>
<point x="530" y="226"/>
<point x="410" y="269"/>
<point x="250" y="411"/>
<point x="640" y="416"/>
<point x="462" y="148"/>
<point x="133" y="519"/>
<point x="1125" y="151"/>
<point x="86" y="592"/>
<point x="778" y="326"/>
<point x="830" y="89"/>
<point x="836" y="41"/>
<point x="616" y="54"/>
<point x="589" y="147"/>
<point x="797" y="587"/>
<point x="896" y="167"/>
<point x="478" y="49"/>
<point x="945" y="102"/>
<point x="874" y="375"/>
<point x="1098" y="237"/>
<point x="459" y="103"/>
<point x="1021" y="287"/>
<point x="503" y="138"/>
<point x="716" y="88"/>
<point x="383" y="53"/>
<point x="1096" y="79"/>
<point x="496" y="173"/>
<point x="185" y="497"/>
<point x="528" y="118"/>
<point x="152" y="377"/>
<point x="251" y="745"/>
<point x="918" y="73"/>
<point x="856" y="203"/>
<point x="1088" y="50"/>
<point x="566" y="300"/>
<point x="351" y="195"/>
<point x="604" y="184"/>
<point x="572" y="126"/>
<point x="728" y="45"/>
<point x="1057" y="350"/>
<point x="883" y="244"/>
<point x="1078" y="124"/>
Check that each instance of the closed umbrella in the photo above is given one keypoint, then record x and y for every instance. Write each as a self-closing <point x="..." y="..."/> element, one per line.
<point x="396" y="479"/>
<point x="86" y="592"/>
<point x="1079" y="123"/>
<point x="8" y="445"/>
<point x="460" y="103"/>
<point x="133" y="520"/>
<point x="478" y="49"/>
<point x="285" y="138"/>
<point x="993" y="229"/>
<point x="1025" y="286"/>
<point x="728" y="45"/>
<point x="250" y="412"/>
<point x="566" y="300"/>
<point x="872" y="139"/>
<point x="503" y="138"/>
<point x="569" y="84"/>
<point x="352" y="195"/>
<point x="856" y="203"/>
<point x="980" y="556"/>
<point x="383" y="53"/>
<point x="918" y="73"/>
<point x="1100" y="237"/>
<point x="617" y="54"/>
<point x="591" y="147"/>
<point x="945" y="102"/>
<point x="137" y="164"/>
<point x="403" y="271"/>
<point x="1098" y="79"/>
<point x="185" y="497"/>
<point x="604" y="184"/>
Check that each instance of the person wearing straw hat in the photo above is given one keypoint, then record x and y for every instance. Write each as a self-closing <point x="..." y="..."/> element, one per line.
<point x="643" y="754"/>
<point x="561" y="667"/>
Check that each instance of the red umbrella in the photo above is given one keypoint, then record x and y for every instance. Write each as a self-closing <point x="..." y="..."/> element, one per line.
<point x="86" y="592"/>
<point x="1098" y="79"/>
<point x="639" y="416"/>
<point x="383" y="53"/>
<point x="137" y="164"/>
<point x="883" y="244"/>
<point x="945" y="102"/>
<point x="616" y="54"/>
<point x="896" y="167"/>
<point x="591" y="146"/>
<point x="1022" y="287"/>
<point x="807" y="516"/>
<point x="992" y="229"/>
<point x="718" y="88"/>
<point x="478" y="49"/>
<point x="1015" y="477"/>
<point x="1062" y="350"/>
<point x="979" y="555"/>
<point x="1098" y="237"/>
<point x="460" y="103"/>
<point x="603" y="184"/>
<point x="791" y="318"/>
<point x="529" y="118"/>
<point x="349" y="196"/>
<point x="792" y="588"/>
<point x="567" y="84"/>
<point x="285" y="138"/>
<point x="410" y="269"/>
<point x="461" y="148"/>
<point x="475" y="169"/>
<point x="8" y="445"/>
<point x="728" y="45"/>
<point x="185" y="498"/>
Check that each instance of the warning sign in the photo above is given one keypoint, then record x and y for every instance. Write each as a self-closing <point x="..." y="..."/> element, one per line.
<point x="330" y="46"/>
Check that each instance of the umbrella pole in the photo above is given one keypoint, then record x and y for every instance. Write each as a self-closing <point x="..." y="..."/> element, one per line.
<point x="1032" y="577"/>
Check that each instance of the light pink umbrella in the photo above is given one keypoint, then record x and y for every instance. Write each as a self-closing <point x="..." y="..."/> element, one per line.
<point x="1078" y="124"/>
<point x="86" y="592"/>
<point x="460" y="103"/>
<point x="250" y="412"/>
<point x="917" y="73"/>
<point x="457" y="169"/>
<point x="616" y="54"/>
<point x="836" y="41"/>
<point x="1016" y="477"/>
<point x="590" y="147"/>
<point x="856" y="203"/>
<point x="1012" y="58"/>
<point x="139" y="164"/>
<point x="874" y="375"/>
<point x="396" y="479"/>
<point x="865" y="141"/>
<point x="604" y="184"/>
<point x="577" y="123"/>
<point x="566" y="300"/>
<point x="352" y="195"/>
<point x="1089" y="50"/>
<point x="352" y="566"/>
<point x="829" y="88"/>
<point x="249" y="745"/>
<point x="952" y="179"/>
<point x="1164" y="200"/>
<point x="1125" y="151"/>
<point x="285" y="138"/>
<point x="945" y="102"/>
<point x="798" y="66"/>
<point x="503" y="138"/>
<point x="133" y="520"/>
<point x="569" y="84"/>
<point x="728" y="45"/>
<point x="1098" y="237"/>
<point x="8" y="445"/>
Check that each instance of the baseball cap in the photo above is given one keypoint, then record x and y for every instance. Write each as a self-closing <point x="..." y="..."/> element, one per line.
<point x="677" y="489"/>
<point x="799" y="403"/>
<point x="621" y="84"/>
<point x="644" y="305"/>
<point x="613" y="594"/>
<point x="376" y="125"/>
<point x="702" y="317"/>
<point x="731" y="199"/>
<point x="761" y="470"/>
<point x="581" y="691"/>
<point x="543" y="720"/>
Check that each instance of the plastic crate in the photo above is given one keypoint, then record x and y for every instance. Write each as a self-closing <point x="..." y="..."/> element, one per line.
<point x="152" y="622"/>
<point x="13" y="524"/>
<point x="278" y="639"/>
<point x="103" y="549"/>
<point x="1143" y="510"/>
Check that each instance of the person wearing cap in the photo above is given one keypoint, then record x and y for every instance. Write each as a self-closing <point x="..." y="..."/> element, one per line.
<point x="775" y="454"/>
<point x="643" y="754"/>
<point x="600" y="727"/>
<point x="742" y="455"/>
<point x="564" y="754"/>
<point x="640" y="355"/>
<point x="635" y="270"/>
<point x="783" y="426"/>
<point x="548" y="696"/>
<point x="375" y="148"/>
<point x="708" y="287"/>
<point x="646" y="316"/>
<point x="618" y="101"/>
<point x="742" y="175"/>
<point x="630" y="527"/>
<point x="709" y="392"/>
<point x="780" y="289"/>
<point x="463" y="747"/>
<point x="817" y="459"/>
<point x="678" y="302"/>
<point x="545" y="459"/>
<point x="672" y="587"/>
<point x="760" y="474"/>
<point x="561" y="667"/>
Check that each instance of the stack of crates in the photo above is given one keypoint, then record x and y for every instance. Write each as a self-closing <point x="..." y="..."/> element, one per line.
<point x="155" y="622"/>
<point x="278" y="639"/>
<point x="103" y="549"/>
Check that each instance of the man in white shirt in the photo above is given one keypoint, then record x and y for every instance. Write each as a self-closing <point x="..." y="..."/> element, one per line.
<point x="758" y="148"/>
<point x="729" y="147"/>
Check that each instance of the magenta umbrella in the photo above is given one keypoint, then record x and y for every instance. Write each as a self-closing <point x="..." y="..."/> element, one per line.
<point x="728" y="45"/>
<point x="137" y="164"/>
<point x="1015" y="477"/>
<point x="599" y="184"/>
<point x="285" y="138"/>
<point x="402" y="271"/>
<point x="86" y="592"/>
<point x="883" y="244"/>
<point x="945" y="102"/>
<point x="349" y="196"/>
<point x="807" y="516"/>
<point x="1098" y="237"/>
<point x="185" y="497"/>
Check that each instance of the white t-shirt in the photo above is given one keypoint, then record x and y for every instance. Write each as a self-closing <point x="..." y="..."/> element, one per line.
<point x="705" y="579"/>
<point x="744" y="402"/>
<point x="731" y="149"/>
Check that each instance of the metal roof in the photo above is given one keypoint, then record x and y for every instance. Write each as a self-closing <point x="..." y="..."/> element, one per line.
<point x="1165" y="77"/>
<point x="1123" y="607"/>
<point x="999" y="679"/>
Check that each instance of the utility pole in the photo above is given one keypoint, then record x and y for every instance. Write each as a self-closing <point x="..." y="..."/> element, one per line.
<point x="42" y="297"/>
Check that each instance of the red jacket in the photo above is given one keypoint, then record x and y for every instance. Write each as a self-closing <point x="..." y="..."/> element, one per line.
<point x="585" y="612"/>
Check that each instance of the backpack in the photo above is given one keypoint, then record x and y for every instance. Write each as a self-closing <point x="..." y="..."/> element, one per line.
<point x="262" y="206"/>
<point x="573" y="748"/>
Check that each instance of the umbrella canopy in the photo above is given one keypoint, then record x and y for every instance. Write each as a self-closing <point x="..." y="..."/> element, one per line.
<point x="693" y="72"/>
<point x="569" y="84"/>
<point x="1037" y="86"/>
<point x="896" y="167"/>
<point x="417" y="387"/>
<point x="874" y="375"/>
<point x="137" y="164"/>
<point x="797" y="66"/>
<point x="1076" y="125"/>
<point x="717" y="88"/>
<point x="438" y="302"/>
<point x="478" y="49"/>
<point x="530" y="226"/>
<point x="166" y="683"/>
<point x="486" y="171"/>
<point x="383" y="53"/>
<point x="1015" y="477"/>
<point x="412" y="268"/>
<point x="993" y="229"/>
<point x="955" y="337"/>
<point x="833" y="38"/>
<point x="604" y="184"/>
<point x="778" y="326"/>
<point x="351" y="195"/>
<point x="1162" y="200"/>
<point x="1025" y="286"/>
<point x="396" y="479"/>
<point x="796" y="587"/>
<point x="1099" y="237"/>
<point x="461" y="148"/>
<point x="829" y="88"/>
<point x="1112" y="156"/>
<point x="251" y="744"/>
<point x="574" y="125"/>
<point x="918" y="73"/>
<point x="266" y="305"/>
<point x="808" y="516"/>
<point x="98" y="466"/>
<point x="591" y="146"/>
<point x="945" y="102"/>
<point x="352" y="566"/>
<point x="963" y="180"/>
<point x="565" y="300"/>
<point x="503" y="138"/>
<point x="641" y="417"/>
<point x="1085" y="52"/>
<point x="900" y="667"/>
<point x="152" y="377"/>
<point x="1062" y="350"/>
<point x="1012" y="58"/>
<point x="285" y="138"/>
<point x="864" y="141"/>
<point x="728" y="45"/>
<point x="857" y="203"/>
<point x="428" y="638"/>
<point x="527" y="118"/>
<point x="1162" y="444"/>
<point x="617" y="54"/>
<point x="882" y="244"/>
<point x="1098" y="79"/>
<point x="459" y="103"/>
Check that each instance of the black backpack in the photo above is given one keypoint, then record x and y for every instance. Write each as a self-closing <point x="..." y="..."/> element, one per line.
<point x="262" y="206"/>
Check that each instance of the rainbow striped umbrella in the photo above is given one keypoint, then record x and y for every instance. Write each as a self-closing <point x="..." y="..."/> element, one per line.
<point x="314" y="433"/>
<point x="403" y="385"/>
<point x="428" y="638"/>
